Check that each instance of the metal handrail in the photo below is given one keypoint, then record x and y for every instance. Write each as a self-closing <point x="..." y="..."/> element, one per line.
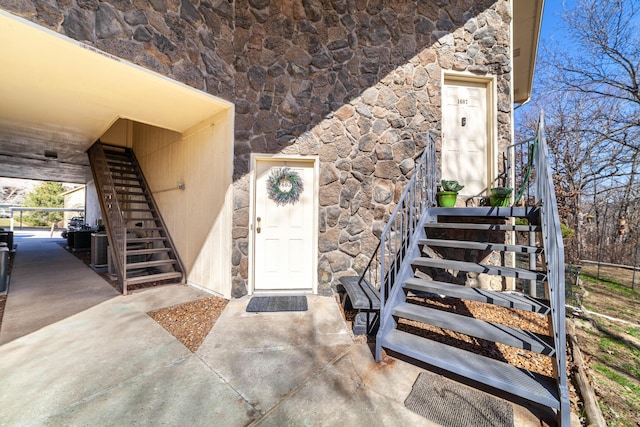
<point x="529" y="147"/>
<point x="554" y="252"/>
<point x="115" y="222"/>
<point x="418" y="194"/>
<point x="398" y="235"/>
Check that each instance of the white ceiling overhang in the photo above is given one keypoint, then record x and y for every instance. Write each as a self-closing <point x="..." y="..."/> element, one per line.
<point x="59" y="95"/>
<point x="527" y="18"/>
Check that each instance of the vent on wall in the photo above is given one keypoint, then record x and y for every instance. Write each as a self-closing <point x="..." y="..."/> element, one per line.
<point x="516" y="52"/>
<point x="49" y="154"/>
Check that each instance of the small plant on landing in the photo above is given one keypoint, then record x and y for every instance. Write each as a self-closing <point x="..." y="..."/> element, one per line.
<point x="449" y="193"/>
<point x="451" y="185"/>
<point x="500" y="196"/>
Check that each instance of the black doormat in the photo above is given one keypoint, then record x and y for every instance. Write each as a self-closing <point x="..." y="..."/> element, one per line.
<point x="281" y="303"/>
<point x="454" y="405"/>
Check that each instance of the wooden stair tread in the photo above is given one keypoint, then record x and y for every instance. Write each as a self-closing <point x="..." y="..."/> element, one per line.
<point x="131" y="193"/>
<point x="123" y="170"/>
<point x="153" y="278"/>
<point x="489" y="331"/>
<point x="133" y="240"/>
<point x="502" y="299"/>
<point x="123" y="185"/>
<point x="482" y="246"/>
<point x="500" y="375"/>
<point x="495" y="270"/>
<point x="148" y="251"/>
<point x="147" y="264"/>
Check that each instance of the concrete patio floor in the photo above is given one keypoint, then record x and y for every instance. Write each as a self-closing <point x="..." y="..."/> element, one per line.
<point x="99" y="359"/>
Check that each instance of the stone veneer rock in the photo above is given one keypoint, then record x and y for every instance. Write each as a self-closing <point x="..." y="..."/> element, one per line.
<point x="355" y="82"/>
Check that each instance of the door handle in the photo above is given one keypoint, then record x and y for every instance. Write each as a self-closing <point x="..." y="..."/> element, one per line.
<point x="258" y="219"/>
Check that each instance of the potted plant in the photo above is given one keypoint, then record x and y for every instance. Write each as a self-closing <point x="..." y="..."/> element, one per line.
<point x="500" y="196"/>
<point x="449" y="193"/>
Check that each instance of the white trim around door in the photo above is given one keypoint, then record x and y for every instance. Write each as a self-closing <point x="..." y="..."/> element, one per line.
<point x="283" y="238"/>
<point x="469" y="129"/>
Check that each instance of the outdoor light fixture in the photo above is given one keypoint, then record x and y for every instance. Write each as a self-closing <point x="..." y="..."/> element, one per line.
<point x="49" y="154"/>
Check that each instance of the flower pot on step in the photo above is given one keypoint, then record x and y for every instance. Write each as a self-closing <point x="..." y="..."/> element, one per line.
<point x="500" y="196"/>
<point x="447" y="199"/>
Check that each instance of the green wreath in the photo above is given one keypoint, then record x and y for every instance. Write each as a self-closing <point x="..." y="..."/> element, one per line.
<point x="284" y="186"/>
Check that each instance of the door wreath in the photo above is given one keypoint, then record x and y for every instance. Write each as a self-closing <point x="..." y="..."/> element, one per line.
<point x="284" y="186"/>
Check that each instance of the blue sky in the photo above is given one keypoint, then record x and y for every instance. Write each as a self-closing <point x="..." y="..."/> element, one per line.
<point x="551" y="20"/>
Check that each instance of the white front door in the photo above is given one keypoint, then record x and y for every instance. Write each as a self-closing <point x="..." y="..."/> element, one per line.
<point x="466" y="149"/>
<point x="284" y="243"/>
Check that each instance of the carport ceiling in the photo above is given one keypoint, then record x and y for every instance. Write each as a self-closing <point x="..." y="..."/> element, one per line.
<point x="59" y="96"/>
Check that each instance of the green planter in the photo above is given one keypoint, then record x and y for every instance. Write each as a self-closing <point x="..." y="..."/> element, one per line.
<point x="500" y="196"/>
<point x="447" y="199"/>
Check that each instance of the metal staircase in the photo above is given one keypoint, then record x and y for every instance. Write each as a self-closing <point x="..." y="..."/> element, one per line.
<point x="141" y="248"/>
<point x="430" y="252"/>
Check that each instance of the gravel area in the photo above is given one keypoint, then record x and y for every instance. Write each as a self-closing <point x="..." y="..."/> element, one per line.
<point x="510" y="317"/>
<point x="190" y="322"/>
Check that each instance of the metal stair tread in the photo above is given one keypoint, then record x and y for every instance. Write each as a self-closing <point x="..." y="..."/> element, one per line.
<point x="495" y="270"/>
<point x="487" y="211"/>
<point x="153" y="278"/>
<point x="465" y="244"/>
<point x="502" y="299"/>
<point x="478" y="226"/>
<point x="489" y="331"/>
<point x="500" y="375"/>
<point x="147" y="264"/>
<point x="362" y="295"/>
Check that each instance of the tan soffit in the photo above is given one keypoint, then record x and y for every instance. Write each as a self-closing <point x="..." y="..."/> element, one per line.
<point x="527" y="18"/>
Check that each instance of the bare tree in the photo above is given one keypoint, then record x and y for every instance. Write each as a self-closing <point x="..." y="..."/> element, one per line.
<point x="590" y="91"/>
<point x="604" y="60"/>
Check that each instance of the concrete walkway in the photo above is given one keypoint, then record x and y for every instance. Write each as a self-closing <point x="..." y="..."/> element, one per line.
<point x="106" y="362"/>
<point x="48" y="284"/>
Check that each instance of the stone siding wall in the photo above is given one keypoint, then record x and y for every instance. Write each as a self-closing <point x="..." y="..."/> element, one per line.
<point x="354" y="82"/>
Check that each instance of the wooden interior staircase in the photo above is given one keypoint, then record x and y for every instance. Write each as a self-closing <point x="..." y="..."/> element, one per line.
<point x="141" y="247"/>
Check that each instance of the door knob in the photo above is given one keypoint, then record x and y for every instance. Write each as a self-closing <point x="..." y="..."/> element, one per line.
<point x="258" y="219"/>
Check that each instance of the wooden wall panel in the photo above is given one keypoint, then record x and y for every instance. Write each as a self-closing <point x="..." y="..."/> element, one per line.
<point x="198" y="217"/>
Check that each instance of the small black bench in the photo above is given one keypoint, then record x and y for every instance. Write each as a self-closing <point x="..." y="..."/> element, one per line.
<point x="359" y="295"/>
